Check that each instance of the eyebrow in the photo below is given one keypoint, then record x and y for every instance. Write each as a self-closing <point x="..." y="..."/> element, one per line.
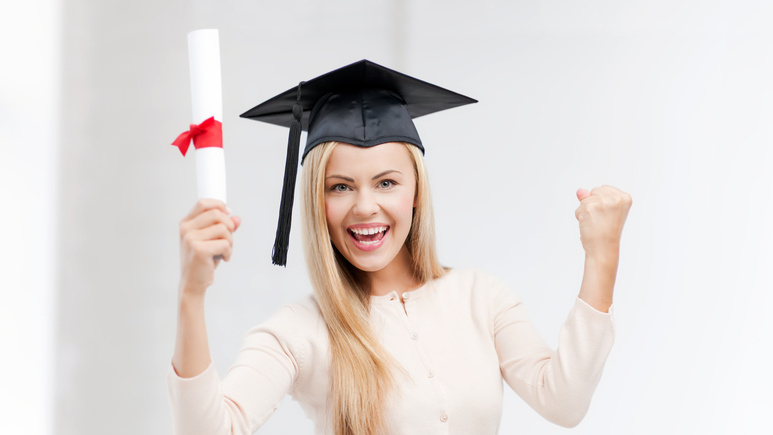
<point x="375" y="177"/>
<point x="388" y="171"/>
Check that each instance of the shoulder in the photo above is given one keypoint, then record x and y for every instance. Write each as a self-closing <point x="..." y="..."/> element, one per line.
<point x="476" y="282"/>
<point x="478" y="290"/>
<point x="471" y="289"/>
<point x="294" y="320"/>
<point x="297" y="330"/>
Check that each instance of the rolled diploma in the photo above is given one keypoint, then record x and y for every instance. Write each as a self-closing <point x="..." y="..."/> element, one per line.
<point x="207" y="101"/>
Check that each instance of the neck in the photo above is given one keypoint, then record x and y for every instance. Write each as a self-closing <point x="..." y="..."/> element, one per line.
<point x="397" y="276"/>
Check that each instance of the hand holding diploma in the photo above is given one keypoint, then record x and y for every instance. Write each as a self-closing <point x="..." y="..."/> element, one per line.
<point x="206" y="236"/>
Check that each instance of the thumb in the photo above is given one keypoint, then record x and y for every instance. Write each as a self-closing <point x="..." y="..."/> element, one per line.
<point x="582" y="194"/>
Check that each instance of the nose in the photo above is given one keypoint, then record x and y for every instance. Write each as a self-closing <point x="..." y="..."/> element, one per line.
<point x="366" y="204"/>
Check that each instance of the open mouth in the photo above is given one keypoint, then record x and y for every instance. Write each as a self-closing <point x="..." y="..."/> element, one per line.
<point x="368" y="236"/>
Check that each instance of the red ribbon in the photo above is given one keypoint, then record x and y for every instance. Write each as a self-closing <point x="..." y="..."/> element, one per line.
<point x="208" y="134"/>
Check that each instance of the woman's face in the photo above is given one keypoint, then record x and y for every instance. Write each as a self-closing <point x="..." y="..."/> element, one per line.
<point x="369" y="200"/>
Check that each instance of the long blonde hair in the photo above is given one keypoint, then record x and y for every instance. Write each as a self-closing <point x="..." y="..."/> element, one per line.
<point x="361" y="369"/>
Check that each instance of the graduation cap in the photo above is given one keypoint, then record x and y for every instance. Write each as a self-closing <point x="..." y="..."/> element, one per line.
<point x="362" y="104"/>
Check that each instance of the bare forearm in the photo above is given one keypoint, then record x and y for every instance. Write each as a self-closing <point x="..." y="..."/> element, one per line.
<point x="191" y="351"/>
<point x="598" y="280"/>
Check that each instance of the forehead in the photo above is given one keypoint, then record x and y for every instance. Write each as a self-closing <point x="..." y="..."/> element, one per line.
<point x="353" y="159"/>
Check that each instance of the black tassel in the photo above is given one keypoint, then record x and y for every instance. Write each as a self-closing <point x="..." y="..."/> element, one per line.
<point x="282" y="240"/>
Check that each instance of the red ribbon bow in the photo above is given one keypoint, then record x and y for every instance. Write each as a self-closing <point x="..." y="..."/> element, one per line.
<point x="205" y="135"/>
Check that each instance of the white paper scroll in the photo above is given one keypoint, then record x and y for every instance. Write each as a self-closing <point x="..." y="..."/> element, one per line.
<point x="207" y="99"/>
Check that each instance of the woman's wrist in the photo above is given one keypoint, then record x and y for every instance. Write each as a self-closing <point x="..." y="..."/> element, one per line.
<point x="598" y="281"/>
<point x="190" y="296"/>
<point x="607" y="256"/>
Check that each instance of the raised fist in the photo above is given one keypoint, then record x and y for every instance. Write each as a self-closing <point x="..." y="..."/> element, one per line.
<point x="602" y="213"/>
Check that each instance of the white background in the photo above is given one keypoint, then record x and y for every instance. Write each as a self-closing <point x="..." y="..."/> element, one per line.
<point x="668" y="100"/>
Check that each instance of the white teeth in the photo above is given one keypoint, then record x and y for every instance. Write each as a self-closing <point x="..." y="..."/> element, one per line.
<point x="368" y="231"/>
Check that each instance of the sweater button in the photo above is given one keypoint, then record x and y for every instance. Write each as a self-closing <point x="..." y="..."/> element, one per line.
<point x="430" y="374"/>
<point x="414" y="336"/>
<point x="443" y="417"/>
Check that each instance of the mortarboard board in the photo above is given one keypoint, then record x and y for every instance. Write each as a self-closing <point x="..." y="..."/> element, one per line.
<point x="362" y="104"/>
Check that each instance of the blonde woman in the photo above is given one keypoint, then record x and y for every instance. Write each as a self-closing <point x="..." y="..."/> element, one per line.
<point x="390" y="342"/>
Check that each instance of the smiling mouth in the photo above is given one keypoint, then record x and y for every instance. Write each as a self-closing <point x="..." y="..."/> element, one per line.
<point x="368" y="236"/>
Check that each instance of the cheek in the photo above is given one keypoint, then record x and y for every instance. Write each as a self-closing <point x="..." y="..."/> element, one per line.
<point x="403" y="209"/>
<point x="334" y="213"/>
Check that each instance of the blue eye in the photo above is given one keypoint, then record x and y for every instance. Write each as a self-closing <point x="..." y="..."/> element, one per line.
<point x="386" y="184"/>
<point x="339" y="188"/>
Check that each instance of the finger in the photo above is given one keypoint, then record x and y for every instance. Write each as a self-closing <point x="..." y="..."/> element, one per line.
<point x="227" y="253"/>
<point x="582" y="194"/>
<point x="210" y="217"/>
<point x="214" y="232"/>
<point x="212" y="249"/>
<point x="224" y="250"/>
<point x="237" y="222"/>
<point x="205" y="204"/>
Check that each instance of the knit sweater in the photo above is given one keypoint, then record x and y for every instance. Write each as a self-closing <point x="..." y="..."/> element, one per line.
<point x="456" y="338"/>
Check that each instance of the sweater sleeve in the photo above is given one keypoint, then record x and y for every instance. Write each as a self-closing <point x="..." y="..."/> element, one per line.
<point x="263" y="374"/>
<point x="557" y="384"/>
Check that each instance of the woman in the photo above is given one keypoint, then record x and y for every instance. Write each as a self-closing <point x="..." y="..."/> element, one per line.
<point x="391" y="342"/>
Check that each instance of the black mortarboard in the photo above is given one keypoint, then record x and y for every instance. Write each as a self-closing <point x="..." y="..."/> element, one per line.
<point x="362" y="104"/>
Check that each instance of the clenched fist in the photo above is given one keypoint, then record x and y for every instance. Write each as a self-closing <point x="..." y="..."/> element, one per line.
<point x="206" y="236"/>
<point x="602" y="213"/>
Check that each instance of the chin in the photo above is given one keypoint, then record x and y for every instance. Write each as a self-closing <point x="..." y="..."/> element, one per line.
<point x="367" y="264"/>
<point x="370" y="267"/>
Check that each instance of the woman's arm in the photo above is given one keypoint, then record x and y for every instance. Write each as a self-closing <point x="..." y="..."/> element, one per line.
<point x="206" y="236"/>
<point x="266" y="368"/>
<point x="559" y="384"/>
<point x="602" y="213"/>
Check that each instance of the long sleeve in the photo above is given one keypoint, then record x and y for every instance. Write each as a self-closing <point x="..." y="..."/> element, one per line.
<point x="263" y="374"/>
<point x="558" y="384"/>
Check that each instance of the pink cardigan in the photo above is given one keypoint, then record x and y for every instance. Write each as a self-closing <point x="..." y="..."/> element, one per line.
<point x="456" y="339"/>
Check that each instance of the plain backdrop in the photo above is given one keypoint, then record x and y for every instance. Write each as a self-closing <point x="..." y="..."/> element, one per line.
<point x="667" y="100"/>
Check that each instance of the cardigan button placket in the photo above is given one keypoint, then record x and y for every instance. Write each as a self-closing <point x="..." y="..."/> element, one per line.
<point x="428" y="372"/>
